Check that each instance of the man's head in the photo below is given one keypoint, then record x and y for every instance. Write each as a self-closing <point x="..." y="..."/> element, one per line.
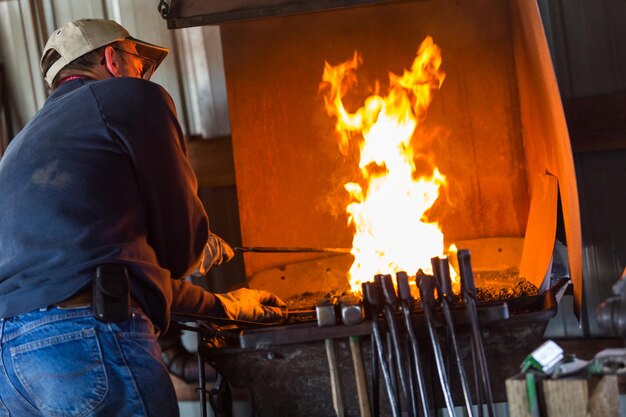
<point x="98" y="48"/>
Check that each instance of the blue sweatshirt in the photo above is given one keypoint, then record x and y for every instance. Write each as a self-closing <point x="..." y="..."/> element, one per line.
<point x="100" y="175"/>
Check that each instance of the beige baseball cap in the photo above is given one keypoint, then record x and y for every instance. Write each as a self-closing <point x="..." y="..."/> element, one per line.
<point x="79" y="37"/>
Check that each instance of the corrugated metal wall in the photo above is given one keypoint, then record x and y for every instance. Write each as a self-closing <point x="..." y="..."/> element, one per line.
<point x="588" y="44"/>
<point x="601" y="180"/>
<point x="19" y="52"/>
<point x="192" y="73"/>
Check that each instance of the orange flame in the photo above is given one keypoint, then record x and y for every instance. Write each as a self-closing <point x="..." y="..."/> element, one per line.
<point x="391" y="231"/>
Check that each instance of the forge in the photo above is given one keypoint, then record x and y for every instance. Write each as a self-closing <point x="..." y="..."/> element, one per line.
<point x="493" y="129"/>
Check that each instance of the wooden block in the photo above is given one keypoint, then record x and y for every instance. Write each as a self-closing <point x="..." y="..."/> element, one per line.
<point x="517" y="397"/>
<point x="593" y="396"/>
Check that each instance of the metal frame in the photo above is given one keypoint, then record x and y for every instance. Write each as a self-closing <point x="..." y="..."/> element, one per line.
<point x="188" y="13"/>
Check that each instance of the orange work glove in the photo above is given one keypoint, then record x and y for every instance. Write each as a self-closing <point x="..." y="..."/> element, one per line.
<point x="216" y="252"/>
<point x="253" y="305"/>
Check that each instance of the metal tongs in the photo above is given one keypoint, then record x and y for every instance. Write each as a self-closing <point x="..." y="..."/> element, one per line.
<point x="441" y="271"/>
<point x="223" y="321"/>
<point x="468" y="290"/>
<point x="285" y="249"/>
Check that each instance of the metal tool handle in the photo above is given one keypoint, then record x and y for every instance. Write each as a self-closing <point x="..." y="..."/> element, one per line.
<point x="441" y="271"/>
<point x="404" y="291"/>
<point x="388" y="291"/>
<point x="372" y="298"/>
<point x="427" y="286"/>
<point x="468" y="286"/>
<point x="283" y="249"/>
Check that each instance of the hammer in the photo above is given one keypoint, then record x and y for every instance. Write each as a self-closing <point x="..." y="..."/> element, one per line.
<point x="352" y="314"/>
<point x="326" y="313"/>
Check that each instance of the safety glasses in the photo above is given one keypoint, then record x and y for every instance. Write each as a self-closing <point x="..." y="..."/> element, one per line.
<point x="148" y="65"/>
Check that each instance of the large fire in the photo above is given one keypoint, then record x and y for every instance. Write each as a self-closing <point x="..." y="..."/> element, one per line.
<point x="391" y="231"/>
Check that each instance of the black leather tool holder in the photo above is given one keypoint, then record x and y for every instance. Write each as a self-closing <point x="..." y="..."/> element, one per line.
<point x="111" y="293"/>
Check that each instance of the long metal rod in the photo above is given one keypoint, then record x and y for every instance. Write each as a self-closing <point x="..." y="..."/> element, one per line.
<point x="441" y="368"/>
<point x="441" y="271"/>
<point x="482" y="359"/>
<point x="393" y="402"/>
<point x="397" y="354"/>
<point x="459" y="362"/>
<point x="373" y="302"/>
<point x="426" y="285"/>
<point x="201" y="381"/>
<point x="477" y="384"/>
<point x="375" y="385"/>
<point x="419" y="370"/>
<point x="468" y="289"/>
<point x="405" y="303"/>
<point x="395" y="350"/>
<point x="283" y="249"/>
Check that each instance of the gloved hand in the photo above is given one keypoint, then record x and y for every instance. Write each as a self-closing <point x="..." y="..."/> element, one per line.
<point x="216" y="252"/>
<point x="253" y="305"/>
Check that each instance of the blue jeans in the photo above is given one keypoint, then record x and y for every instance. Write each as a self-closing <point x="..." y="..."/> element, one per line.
<point x="63" y="362"/>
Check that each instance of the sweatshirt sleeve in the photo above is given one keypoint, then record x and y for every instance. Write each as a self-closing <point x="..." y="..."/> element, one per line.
<point x="193" y="299"/>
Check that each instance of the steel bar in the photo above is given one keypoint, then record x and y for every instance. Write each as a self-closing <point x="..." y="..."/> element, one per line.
<point x="177" y="316"/>
<point x="468" y="290"/>
<point x="375" y="384"/>
<point x="441" y="270"/>
<point x="282" y="249"/>
<point x="476" y="371"/>
<point x="202" y="381"/>
<point x="404" y="292"/>
<point x="391" y="301"/>
<point x="373" y="299"/>
<point x="426" y="285"/>
<point x="409" y="372"/>
<point x="392" y="365"/>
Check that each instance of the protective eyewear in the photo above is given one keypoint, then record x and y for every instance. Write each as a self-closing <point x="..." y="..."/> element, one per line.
<point x="148" y="65"/>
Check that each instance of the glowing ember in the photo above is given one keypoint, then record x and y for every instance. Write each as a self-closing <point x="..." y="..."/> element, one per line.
<point x="391" y="231"/>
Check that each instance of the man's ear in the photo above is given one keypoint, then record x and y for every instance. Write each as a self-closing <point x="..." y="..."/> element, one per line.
<point x="112" y="61"/>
